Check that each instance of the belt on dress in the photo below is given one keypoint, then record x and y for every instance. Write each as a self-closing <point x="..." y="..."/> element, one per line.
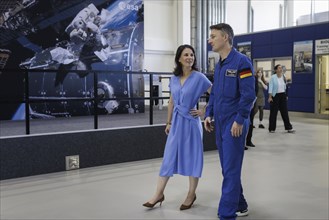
<point x="184" y="112"/>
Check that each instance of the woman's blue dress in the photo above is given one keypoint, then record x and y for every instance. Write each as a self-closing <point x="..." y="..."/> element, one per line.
<point x="183" y="152"/>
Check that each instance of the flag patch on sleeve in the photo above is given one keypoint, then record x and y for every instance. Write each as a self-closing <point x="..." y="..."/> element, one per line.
<point x="245" y="73"/>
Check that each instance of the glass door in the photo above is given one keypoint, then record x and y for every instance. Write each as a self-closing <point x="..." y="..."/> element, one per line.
<point x="323" y="92"/>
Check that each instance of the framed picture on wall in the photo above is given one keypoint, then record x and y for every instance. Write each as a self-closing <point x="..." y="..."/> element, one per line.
<point x="245" y="48"/>
<point x="303" y="51"/>
<point x="213" y="58"/>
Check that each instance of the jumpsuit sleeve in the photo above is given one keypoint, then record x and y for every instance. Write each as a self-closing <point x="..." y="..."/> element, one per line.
<point x="210" y="105"/>
<point x="246" y="89"/>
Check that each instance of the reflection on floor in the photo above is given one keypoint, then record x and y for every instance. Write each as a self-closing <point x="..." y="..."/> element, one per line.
<point x="82" y="123"/>
<point x="284" y="177"/>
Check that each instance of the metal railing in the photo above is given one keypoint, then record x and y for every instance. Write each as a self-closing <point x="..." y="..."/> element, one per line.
<point x="28" y="100"/>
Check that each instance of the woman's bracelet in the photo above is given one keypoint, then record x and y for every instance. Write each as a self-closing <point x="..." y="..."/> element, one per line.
<point x="168" y="123"/>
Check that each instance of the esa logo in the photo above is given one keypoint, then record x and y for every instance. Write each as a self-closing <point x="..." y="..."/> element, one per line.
<point x="124" y="6"/>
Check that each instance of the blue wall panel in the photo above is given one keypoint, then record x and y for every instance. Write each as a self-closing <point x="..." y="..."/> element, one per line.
<point x="261" y="39"/>
<point x="302" y="34"/>
<point x="282" y="36"/>
<point x="281" y="50"/>
<point x="261" y="51"/>
<point x="303" y="78"/>
<point x="302" y="90"/>
<point x="302" y="103"/>
<point x="322" y="32"/>
<point x="245" y="38"/>
<point x="280" y="43"/>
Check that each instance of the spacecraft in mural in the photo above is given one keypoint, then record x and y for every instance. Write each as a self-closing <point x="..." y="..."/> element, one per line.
<point x="109" y="40"/>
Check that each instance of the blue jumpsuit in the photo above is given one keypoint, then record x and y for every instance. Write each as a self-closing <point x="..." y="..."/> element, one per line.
<point x="231" y="99"/>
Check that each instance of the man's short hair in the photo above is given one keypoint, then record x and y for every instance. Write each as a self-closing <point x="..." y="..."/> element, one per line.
<point x="226" y="28"/>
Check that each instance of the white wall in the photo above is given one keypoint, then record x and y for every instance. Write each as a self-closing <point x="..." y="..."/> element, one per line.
<point x="184" y="22"/>
<point x="166" y="26"/>
<point x="160" y="35"/>
<point x="160" y="38"/>
<point x="237" y="15"/>
<point x="266" y="14"/>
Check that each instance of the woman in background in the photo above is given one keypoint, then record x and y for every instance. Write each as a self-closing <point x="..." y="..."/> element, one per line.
<point x="260" y="102"/>
<point x="277" y="97"/>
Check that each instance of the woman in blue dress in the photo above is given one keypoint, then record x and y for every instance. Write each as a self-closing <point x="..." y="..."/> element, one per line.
<point x="183" y="152"/>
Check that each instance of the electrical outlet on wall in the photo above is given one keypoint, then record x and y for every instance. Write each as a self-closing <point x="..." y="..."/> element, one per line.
<point x="72" y="162"/>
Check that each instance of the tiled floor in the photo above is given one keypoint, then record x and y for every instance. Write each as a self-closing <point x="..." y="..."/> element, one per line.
<point x="285" y="177"/>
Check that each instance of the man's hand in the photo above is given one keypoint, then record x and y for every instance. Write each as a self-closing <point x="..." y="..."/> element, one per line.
<point x="270" y="99"/>
<point x="207" y="124"/>
<point x="236" y="129"/>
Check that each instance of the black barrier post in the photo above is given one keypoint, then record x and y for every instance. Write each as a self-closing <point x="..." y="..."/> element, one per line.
<point x="95" y="101"/>
<point x="27" y="102"/>
<point x="151" y="99"/>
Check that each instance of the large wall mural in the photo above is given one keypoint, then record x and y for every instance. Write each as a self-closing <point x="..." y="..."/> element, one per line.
<point x="67" y="36"/>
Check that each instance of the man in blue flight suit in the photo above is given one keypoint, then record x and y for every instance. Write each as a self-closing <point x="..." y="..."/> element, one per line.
<point x="230" y="102"/>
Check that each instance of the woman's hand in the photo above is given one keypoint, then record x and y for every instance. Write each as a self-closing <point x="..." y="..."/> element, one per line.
<point x="270" y="99"/>
<point x="196" y="113"/>
<point x="167" y="129"/>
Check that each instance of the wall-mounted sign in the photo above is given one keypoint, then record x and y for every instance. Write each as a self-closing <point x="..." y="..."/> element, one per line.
<point x="322" y="46"/>
<point x="303" y="56"/>
<point x="245" y="48"/>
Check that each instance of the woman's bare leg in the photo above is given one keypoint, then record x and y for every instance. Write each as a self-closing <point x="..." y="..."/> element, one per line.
<point x="161" y="185"/>
<point x="191" y="192"/>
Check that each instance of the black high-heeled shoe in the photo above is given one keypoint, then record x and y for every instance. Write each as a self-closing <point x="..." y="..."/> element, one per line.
<point x="184" y="207"/>
<point x="150" y="205"/>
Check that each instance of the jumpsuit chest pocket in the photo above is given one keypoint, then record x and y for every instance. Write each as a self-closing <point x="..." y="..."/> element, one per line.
<point x="230" y="86"/>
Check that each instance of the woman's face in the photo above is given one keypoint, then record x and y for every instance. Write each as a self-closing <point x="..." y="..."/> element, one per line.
<point x="187" y="58"/>
<point x="279" y="69"/>
<point x="259" y="73"/>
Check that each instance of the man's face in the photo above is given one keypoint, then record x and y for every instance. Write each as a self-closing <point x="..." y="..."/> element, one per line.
<point x="217" y="40"/>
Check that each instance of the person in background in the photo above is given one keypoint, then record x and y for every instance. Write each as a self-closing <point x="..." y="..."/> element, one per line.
<point x="278" y="97"/>
<point x="183" y="152"/>
<point x="251" y="126"/>
<point x="260" y="102"/>
<point x="231" y="100"/>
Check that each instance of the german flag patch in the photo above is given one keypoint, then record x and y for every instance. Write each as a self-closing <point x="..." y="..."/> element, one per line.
<point x="245" y="73"/>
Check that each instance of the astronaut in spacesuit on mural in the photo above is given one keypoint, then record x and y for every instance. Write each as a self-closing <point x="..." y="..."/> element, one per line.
<point x="85" y="39"/>
<point x="112" y="38"/>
